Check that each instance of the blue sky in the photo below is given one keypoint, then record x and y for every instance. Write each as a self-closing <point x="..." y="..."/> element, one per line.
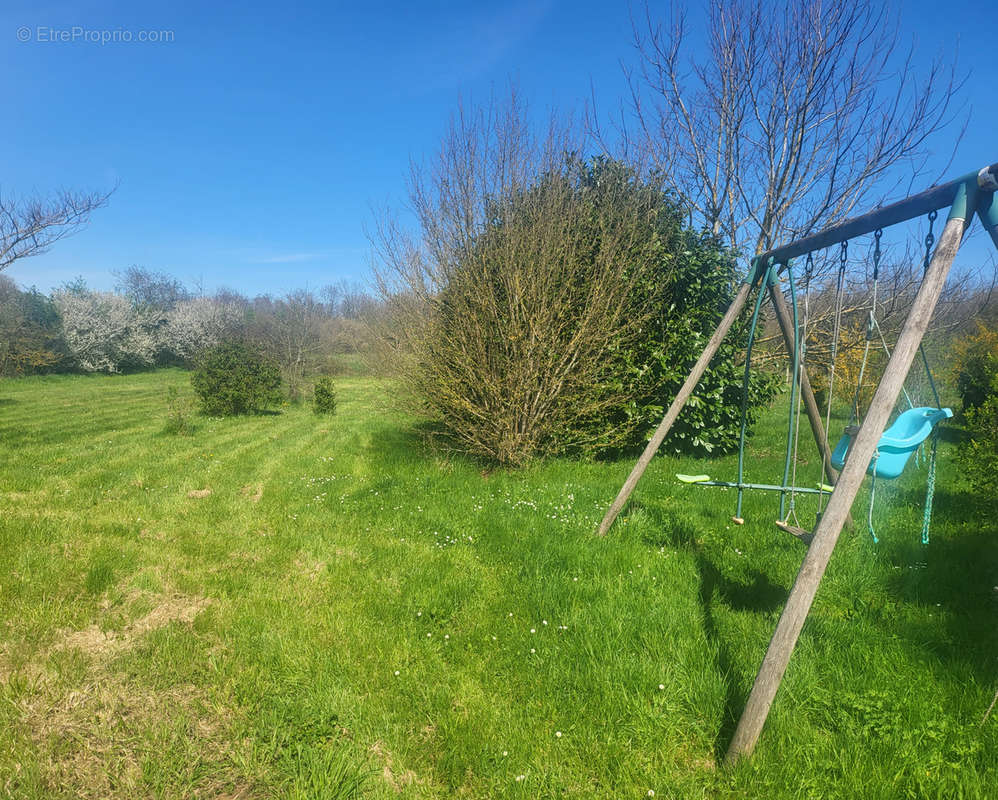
<point x="250" y="150"/>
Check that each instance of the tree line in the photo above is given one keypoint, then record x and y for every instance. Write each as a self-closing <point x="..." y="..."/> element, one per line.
<point x="152" y="319"/>
<point x="549" y="281"/>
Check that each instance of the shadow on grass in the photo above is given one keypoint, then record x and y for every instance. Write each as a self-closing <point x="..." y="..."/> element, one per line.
<point x="958" y="572"/>
<point x="952" y="434"/>
<point x="949" y="507"/>
<point x="414" y="441"/>
<point x="423" y="443"/>
<point x="759" y="595"/>
<point x="7" y="401"/>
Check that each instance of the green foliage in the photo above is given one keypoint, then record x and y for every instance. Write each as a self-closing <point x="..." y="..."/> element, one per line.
<point x="178" y="419"/>
<point x="979" y="453"/>
<point x="575" y="317"/>
<point x="30" y="332"/>
<point x="975" y="369"/>
<point x="975" y="366"/>
<point x="324" y="396"/>
<point x="691" y="290"/>
<point x="234" y="378"/>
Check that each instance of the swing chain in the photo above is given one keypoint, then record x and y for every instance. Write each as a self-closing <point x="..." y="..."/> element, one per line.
<point x="844" y="255"/>
<point x="872" y="323"/>
<point x="876" y="251"/>
<point x="930" y="240"/>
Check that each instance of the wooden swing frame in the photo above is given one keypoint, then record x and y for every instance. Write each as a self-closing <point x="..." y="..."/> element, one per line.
<point x="965" y="196"/>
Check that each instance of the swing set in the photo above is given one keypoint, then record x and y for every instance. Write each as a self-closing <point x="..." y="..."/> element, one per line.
<point x="906" y="436"/>
<point x="867" y="445"/>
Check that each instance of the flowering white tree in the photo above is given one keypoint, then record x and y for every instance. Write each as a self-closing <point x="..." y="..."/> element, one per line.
<point x="197" y="324"/>
<point x="105" y="332"/>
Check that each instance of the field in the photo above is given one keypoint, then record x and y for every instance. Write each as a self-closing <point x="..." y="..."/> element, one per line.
<point x="321" y="607"/>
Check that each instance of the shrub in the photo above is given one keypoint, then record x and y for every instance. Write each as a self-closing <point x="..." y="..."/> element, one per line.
<point x="568" y="317"/>
<point x="975" y="369"/>
<point x="324" y="397"/>
<point x="975" y="366"/>
<point x="233" y="378"/>
<point x="30" y="332"/>
<point x="979" y="453"/>
<point x="178" y="420"/>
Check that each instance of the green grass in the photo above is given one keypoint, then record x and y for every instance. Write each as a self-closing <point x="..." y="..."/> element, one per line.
<point x="347" y="614"/>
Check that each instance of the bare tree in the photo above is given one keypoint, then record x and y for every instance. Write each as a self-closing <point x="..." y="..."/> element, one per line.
<point x="292" y="333"/>
<point x="30" y="226"/>
<point x="797" y="113"/>
<point x="151" y="289"/>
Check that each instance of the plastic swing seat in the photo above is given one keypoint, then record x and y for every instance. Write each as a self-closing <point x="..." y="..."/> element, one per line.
<point x="897" y="443"/>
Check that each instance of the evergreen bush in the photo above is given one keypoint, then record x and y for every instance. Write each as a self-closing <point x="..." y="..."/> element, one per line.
<point x="975" y="366"/>
<point x="324" y="396"/>
<point x="234" y="378"/>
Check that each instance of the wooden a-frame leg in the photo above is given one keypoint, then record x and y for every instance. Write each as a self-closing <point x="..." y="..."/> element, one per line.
<point x="827" y="532"/>
<point x="677" y="404"/>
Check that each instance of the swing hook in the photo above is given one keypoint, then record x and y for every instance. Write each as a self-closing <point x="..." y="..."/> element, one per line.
<point x="930" y="240"/>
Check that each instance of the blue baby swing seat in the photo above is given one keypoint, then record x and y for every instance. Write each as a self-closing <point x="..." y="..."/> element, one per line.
<point x="897" y="443"/>
<point x="894" y="449"/>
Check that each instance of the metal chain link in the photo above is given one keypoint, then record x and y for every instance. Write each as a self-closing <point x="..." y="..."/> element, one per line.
<point x="930" y="490"/>
<point x="876" y="251"/>
<point x="930" y="240"/>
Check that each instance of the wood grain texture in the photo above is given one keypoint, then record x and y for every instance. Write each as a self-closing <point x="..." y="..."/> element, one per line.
<point x="827" y="531"/>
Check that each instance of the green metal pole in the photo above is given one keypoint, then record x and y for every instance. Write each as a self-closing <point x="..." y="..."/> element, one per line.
<point x="766" y="487"/>
<point x="793" y="384"/>
<point x="745" y="387"/>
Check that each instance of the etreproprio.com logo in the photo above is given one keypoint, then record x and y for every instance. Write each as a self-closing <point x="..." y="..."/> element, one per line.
<point x="76" y="34"/>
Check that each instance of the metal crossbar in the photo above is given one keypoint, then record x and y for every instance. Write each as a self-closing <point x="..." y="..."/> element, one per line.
<point x="934" y="199"/>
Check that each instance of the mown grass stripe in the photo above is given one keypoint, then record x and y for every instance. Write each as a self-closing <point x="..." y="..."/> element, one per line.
<point x="312" y="605"/>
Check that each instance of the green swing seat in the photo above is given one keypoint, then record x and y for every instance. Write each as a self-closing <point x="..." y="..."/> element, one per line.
<point x="897" y="443"/>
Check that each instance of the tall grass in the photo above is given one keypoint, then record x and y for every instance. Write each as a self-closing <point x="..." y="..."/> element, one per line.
<point x="297" y="606"/>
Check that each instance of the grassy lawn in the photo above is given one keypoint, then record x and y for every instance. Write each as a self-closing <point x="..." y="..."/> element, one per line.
<point x="293" y="606"/>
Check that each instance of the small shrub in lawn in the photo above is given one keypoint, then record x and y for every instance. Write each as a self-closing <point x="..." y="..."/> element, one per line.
<point x="234" y="378"/>
<point x="324" y="397"/>
<point x="178" y="419"/>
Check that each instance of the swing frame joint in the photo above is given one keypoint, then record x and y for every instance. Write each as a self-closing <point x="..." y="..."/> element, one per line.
<point x="965" y="198"/>
<point x="758" y="270"/>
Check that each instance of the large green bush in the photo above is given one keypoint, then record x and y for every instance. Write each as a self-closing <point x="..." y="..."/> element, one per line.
<point x="975" y="366"/>
<point x="568" y="321"/>
<point x="234" y="378"/>
<point x="683" y="288"/>
<point x="979" y="452"/>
